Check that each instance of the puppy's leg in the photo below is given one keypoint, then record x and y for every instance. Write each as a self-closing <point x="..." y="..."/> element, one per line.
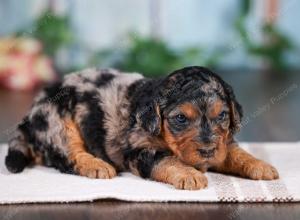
<point x="85" y="163"/>
<point x="239" y="162"/>
<point x="160" y="166"/>
<point x="171" y="170"/>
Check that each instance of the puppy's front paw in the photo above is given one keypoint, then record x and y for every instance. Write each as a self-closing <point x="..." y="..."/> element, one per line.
<point x="189" y="179"/>
<point x="95" y="168"/>
<point x="260" y="170"/>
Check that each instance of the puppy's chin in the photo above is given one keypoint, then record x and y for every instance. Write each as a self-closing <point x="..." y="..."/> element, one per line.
<point x="191" y="156"/>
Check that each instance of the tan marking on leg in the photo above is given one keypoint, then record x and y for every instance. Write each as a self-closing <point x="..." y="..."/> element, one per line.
<point x="85" y="163"/>
<point x="170" y="170"/>
<point x="37" y="157"/>
<point x="239" y="162"/>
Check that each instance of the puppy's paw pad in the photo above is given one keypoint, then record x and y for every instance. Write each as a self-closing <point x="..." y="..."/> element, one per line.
<point x="261" y="171"/>
<point x="194" y="180"/>
<point x="96" y="168"/>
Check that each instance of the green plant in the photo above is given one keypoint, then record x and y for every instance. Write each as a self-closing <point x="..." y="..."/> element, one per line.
<point x="152" y="57"/>
<point x="53" y="31"/>
<point x="273" y="49"/>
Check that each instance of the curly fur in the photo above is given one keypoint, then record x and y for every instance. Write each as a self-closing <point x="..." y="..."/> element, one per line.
<point x="96" y="123"/>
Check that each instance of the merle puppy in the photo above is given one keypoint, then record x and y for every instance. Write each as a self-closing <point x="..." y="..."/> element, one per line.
<point x="97" y="123"/>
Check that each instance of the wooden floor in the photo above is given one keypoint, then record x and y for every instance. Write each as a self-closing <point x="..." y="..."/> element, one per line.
<point x="153" y="211"/>
<point x="271" y="114"/>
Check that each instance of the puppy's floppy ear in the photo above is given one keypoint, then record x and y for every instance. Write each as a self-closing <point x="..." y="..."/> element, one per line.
<point x="149" y="118"/>
<point x="236" y="116"/>
<point x="236" y="111"/>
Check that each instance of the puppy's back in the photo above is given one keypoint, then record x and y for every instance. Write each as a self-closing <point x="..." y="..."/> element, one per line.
<point x="92" y="92"/>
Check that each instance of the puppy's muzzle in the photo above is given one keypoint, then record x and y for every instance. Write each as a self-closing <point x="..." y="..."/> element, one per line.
<point x="207" y="151"/>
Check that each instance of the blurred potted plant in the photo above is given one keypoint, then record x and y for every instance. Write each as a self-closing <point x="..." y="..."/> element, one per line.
<point x="28" y="59"/>
<point x="273" y="49"/>
<point x="54" y="32"/>
<point x="152" y="57"/>
<point x="23" y="66"/>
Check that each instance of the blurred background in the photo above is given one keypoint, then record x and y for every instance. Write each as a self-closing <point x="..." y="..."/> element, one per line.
<point x="254" y="45"/>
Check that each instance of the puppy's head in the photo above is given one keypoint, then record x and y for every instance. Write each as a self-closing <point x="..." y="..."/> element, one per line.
<point x="195" y="112"/>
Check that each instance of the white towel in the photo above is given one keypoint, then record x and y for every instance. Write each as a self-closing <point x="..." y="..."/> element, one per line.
<point x="41" y="184"/>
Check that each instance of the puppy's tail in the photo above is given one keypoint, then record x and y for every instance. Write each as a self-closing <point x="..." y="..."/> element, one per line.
<point x="18" y="156"/>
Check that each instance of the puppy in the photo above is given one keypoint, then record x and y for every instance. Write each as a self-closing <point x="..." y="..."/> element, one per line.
<point x="97" y="123"/>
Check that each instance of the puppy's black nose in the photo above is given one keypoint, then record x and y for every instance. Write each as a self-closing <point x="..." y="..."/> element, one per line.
<point x="207" y="151"/>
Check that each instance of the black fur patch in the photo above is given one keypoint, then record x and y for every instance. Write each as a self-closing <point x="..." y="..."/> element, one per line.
<point x="144" y="159"/>
<point x="143" y="99"/>
<point x="132" y="90"/>
<point x="51" y="90"/>
<point x="92" y="126"/>
<point x="206" y="130"/>
<point x="53" y="158"/>
<point x="16" y="161"/>
<point x="39" y="121"/>
<point x="66" y="101"/>
<point x="26" y="129"/>
<point x="64" y="97"/>
<point x="104" y="79"/>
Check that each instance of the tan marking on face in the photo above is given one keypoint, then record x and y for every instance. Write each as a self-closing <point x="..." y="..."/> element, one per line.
<point x="170" y="139"/>
<point x="186" y="137"/>
<point x="178" y="143"/>
<point x="185" y="146"/>
<point x="157" y="110"/>
<point x="215" y="109"/>
<point x="189" y="110"/>
<point x="221" y="147"/>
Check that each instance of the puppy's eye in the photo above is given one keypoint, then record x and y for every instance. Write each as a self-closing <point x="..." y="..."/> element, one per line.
<point x="181" y="118"/>
<point x="222" y="116"/>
